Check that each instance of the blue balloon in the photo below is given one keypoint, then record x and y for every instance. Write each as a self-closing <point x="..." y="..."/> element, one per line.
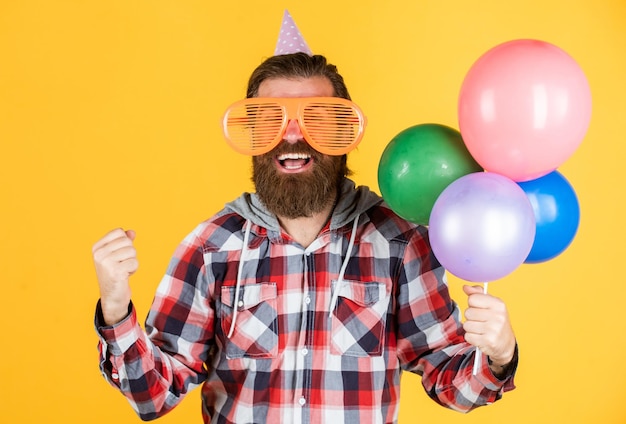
<point x="557" y="215"/>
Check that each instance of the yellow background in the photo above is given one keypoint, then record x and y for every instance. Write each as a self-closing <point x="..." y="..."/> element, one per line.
<point x="109" y="116"/>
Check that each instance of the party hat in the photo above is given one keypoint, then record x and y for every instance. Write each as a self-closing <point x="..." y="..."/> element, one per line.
<point x="289" y="39"/>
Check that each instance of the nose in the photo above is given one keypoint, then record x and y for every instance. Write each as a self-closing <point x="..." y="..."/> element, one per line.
<point x="292" y="132"/>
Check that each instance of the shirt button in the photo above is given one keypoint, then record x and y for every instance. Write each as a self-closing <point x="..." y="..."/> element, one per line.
<point x="240" y="304"/>
<point x="302" y="401"/>
<point x="115" y="376"/>
<point x="304" y="351"/>
<point x="307" y="300"/>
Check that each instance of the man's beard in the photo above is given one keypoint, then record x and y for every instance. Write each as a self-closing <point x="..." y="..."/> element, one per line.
<point x="298" y="195"/>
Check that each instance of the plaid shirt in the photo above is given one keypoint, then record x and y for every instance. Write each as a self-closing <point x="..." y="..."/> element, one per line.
<point x="304" y="348"/>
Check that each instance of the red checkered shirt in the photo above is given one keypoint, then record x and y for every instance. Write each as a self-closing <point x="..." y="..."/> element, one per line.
<point x="311" y="343"/>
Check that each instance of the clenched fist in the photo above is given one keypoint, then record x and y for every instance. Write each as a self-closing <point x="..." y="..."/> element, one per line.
<point x="115" y="259"/>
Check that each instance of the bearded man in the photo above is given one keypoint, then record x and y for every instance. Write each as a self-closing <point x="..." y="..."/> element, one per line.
<point x="306" y="300"/>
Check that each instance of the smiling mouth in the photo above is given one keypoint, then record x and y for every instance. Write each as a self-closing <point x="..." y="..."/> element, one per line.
<point x="293" y="162"/>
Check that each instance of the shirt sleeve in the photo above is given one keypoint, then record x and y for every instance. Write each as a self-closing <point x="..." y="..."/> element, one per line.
<point x="154" y="368"/>
<point x="431" y="337"/>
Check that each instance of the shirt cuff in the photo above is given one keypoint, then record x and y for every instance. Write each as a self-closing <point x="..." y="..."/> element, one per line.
<point x="118" y="338"/>
<point x="486" y="376"/>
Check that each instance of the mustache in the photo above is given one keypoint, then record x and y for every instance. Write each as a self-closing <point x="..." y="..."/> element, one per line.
<point x="301" y="146"/>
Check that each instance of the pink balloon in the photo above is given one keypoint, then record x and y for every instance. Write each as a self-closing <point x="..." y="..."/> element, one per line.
<point x="482" y="227"/>
<point x="524" y="108"/>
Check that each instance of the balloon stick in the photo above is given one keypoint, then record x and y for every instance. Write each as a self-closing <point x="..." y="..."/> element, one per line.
<point x="478" y="355"/>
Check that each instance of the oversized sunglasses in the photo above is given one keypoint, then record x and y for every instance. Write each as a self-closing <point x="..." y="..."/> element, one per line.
<point x="331" y="125"/>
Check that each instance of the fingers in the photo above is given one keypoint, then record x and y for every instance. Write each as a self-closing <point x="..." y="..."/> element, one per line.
<point x="483" y="310"/>
<point x="483" y="323"/>
<point x="117" y="250"/>
<point x="115" y="256"/>
<point x="117" y="243"/>
<point x="477" y="298"/>
<point x="477" y="340"/>
<point x="478" y="315"/>
<point x="487" y="324"/>
<point x="468" y="290"/>
<point x="109" y="237"/>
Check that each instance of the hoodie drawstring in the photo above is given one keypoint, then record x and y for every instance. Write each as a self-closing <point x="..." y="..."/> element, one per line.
<point x="344" y="265"/>
<point x="246" y="237"/>
<point x="338" y="284"/>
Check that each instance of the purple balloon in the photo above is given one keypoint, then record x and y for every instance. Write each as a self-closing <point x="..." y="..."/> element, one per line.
<point x="482" y="227"/>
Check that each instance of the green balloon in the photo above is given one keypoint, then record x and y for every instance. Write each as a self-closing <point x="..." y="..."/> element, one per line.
<point x="418" y="164"/>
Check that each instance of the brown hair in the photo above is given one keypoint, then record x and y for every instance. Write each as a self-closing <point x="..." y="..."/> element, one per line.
<point x="297" y="65"/>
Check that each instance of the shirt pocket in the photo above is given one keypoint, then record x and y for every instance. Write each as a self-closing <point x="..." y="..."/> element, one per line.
<point x="256" y="324"/>
<point x="359" y="318"/>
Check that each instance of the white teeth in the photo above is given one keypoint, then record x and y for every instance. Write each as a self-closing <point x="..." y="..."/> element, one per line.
<point x="293" y="156"/>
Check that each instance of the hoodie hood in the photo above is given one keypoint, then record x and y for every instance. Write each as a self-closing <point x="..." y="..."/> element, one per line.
<point x="351" y="203"/>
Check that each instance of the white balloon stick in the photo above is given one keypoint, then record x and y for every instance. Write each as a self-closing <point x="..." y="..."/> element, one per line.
<point x="478" y="356"/>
